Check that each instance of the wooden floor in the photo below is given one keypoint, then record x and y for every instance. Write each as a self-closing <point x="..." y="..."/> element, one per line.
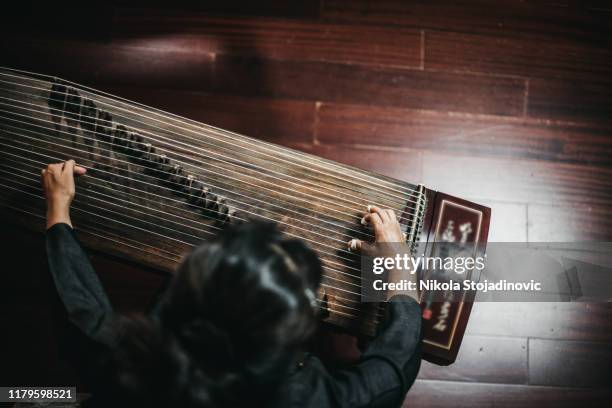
<point x="506" y="103"/>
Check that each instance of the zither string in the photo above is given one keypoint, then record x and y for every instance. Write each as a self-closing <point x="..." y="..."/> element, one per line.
<point x="312" y="242"/>
<point x="156" y="138"/>
<point x="213" y="131"/>
<point x="163" y="187"/>
<point x="176" y="260"/>
<point x="149" y="231"/>
<point x="37" y="96"/>
<point x="89" y="138"/>
<point x="159" y="218"/>
<point x="87" y="152"/>
<point x="179" y="176"/>
<point x="327" y="260"/>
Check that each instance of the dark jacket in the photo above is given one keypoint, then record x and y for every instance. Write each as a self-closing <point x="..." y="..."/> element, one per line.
<point x="381" y="378"/>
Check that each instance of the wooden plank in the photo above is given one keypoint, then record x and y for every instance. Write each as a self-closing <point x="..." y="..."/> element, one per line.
<point x="508" y="221"/>
<point x="269" y="37"/>
<point x="517" y="180"/>
<point x="484" y="359"/>
<point x="329" y="82"/>
<point x="275" y="120"/>
<point x="105" y="65"/>
<point x="525" y="19"/>
<point x="477" y="135"/>
<point x="403" y="165"/>
<point x="576" y="223"/>
<point x="516" y="56"/>
<point x="432" y="394"/>
<point x="137" y="66"/>
<point x="570" y="321"/>
<point x="295" y="9"/>
<point x="570" y="363"/>
<point x="570" y="100"/>
<point x="94" y="19"/>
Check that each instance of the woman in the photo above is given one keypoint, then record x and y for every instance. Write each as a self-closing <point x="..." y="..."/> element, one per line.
<point x="232" y="327"/>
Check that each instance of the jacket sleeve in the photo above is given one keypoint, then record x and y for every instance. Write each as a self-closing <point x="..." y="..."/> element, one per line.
<point x="78" y="286"/>
<point x="389" y="365"/>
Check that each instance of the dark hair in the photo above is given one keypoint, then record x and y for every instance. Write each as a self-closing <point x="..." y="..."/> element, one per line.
<point x="229" y="327"/>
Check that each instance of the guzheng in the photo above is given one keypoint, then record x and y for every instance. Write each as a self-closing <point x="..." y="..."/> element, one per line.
<point x="158" y="184"/>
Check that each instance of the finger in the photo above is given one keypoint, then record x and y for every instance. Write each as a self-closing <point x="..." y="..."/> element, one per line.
<point x="54" y="167"/>
<point x="372" y="209"/>
<point x="384" y="215"/>
<point x="390" y="214"/>
<point x="43" y="174"/>
<point x="357" y="245"/>
<point x="372" y="219"/>
<point x="68" y="167"/>
<point x="79" y="170"/>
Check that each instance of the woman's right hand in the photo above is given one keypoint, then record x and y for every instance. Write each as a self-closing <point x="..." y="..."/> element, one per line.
<point x="387" y="231"/>
<point x="384" y="224"/>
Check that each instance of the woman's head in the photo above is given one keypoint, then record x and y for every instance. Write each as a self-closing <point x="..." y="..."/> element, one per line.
<point x="231" y="322"/>
<point x="248" y="291"/>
